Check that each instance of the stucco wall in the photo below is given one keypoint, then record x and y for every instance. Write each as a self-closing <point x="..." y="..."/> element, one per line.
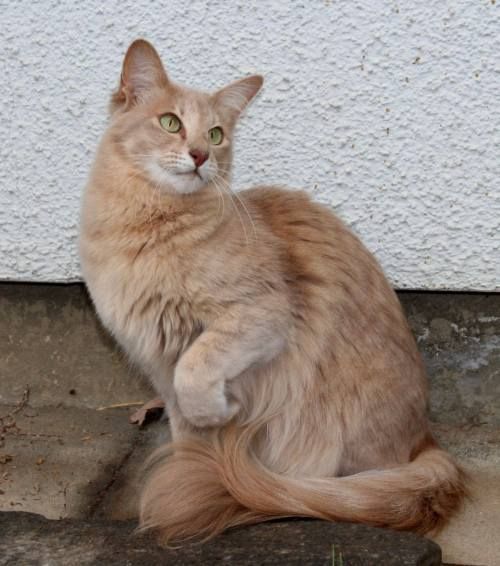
<point x="386" y="110"/>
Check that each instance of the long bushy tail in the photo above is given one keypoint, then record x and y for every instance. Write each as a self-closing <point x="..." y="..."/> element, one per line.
<point x="199" y="488"/>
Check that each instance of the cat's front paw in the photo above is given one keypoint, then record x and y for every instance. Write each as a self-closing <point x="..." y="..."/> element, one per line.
<point x="202" y="404"/>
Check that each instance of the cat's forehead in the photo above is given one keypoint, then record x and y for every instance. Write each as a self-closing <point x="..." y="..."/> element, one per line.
<point x="188" y="103"/>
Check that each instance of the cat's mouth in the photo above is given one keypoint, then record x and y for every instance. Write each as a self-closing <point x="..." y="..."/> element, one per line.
<point x="170" y="179"/>
<point x="194" y="172"/>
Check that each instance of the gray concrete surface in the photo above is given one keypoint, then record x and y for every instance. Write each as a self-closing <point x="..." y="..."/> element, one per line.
<point x="67" y="452"/>
<point x="51" y="339"/>
<point x="459" y="337"/>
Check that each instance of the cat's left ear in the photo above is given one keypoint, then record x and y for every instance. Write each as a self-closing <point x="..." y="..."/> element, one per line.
<point x="234" y="97"/>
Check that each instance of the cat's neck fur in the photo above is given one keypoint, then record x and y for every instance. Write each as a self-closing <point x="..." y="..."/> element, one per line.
<point x="126" y="200"/>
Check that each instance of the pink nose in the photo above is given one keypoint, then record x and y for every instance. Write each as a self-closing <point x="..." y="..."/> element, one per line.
<point x="199" y="157"/>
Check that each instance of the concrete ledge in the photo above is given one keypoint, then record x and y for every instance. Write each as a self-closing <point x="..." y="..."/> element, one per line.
<point x="31" y="539"/>
<point x="51" y="340"/>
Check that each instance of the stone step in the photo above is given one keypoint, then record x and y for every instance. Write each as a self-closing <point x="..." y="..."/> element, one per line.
<point x="31" y="539"/>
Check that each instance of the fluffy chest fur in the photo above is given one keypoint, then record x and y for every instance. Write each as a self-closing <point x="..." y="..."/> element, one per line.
<point x="141" y="293"/>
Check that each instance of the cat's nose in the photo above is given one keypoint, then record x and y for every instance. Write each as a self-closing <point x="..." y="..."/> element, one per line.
<point x="199" y="157"/>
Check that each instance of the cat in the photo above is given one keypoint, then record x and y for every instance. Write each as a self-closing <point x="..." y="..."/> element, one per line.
<point x="291" y="379"/>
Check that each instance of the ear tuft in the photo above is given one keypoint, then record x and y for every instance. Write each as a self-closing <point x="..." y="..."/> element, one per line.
<point x="236" y="96"/>
<point x="142" y="72"/>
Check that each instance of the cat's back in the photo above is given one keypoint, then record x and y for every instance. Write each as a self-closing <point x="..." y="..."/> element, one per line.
<point x="337" y="283"/>
<point x="312" y="232"/>
<point x="324" y="257"/>
<point x="290" y="212"/>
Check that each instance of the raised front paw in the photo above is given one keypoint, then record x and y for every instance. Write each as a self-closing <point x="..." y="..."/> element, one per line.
<point x="202" y="404"/>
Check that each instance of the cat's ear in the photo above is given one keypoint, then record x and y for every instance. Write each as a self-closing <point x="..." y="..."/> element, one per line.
<point x="234" y="97"/>
<point x="142" y="72"/>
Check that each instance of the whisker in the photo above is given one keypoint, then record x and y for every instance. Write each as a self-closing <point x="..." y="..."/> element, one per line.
<point x="241" y="201"/>
<point x="221" y="199"/>
<point x="235" y="208"/>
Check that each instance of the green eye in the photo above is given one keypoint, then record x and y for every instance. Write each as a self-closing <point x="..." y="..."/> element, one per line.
<point x="216" y="135"/>
<point x="171" y="123"/>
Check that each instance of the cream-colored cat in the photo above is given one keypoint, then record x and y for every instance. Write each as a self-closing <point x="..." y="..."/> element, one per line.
<point x="292" y="382"/>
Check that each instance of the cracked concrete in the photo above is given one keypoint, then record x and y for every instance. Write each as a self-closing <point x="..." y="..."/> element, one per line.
<point x="69" y="453"/>
<point x="59" y="461"/>
<point x="121" y="499"/>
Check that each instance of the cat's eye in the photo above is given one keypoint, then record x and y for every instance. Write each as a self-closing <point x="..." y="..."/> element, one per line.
<point x="171" y="123"/>
<point x="216" y="135"/>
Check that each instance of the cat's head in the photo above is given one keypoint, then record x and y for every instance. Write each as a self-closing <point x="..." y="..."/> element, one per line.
<point x="179" y="138"/>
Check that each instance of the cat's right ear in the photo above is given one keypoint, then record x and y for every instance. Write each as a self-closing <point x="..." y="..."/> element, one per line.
<point x="234" y="97"/>
<point x="142" y="72"/>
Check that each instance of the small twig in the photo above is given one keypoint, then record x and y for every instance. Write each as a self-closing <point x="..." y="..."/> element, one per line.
<point x="7" y="421"/>
<point x="19" y="405"/>
<point x="120" y="405"/>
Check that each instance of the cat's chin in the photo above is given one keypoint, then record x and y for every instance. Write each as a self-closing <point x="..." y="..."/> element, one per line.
<point x="175" y="183"/>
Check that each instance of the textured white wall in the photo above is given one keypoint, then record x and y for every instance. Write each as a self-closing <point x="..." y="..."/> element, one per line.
<point x="387" y="110"/>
